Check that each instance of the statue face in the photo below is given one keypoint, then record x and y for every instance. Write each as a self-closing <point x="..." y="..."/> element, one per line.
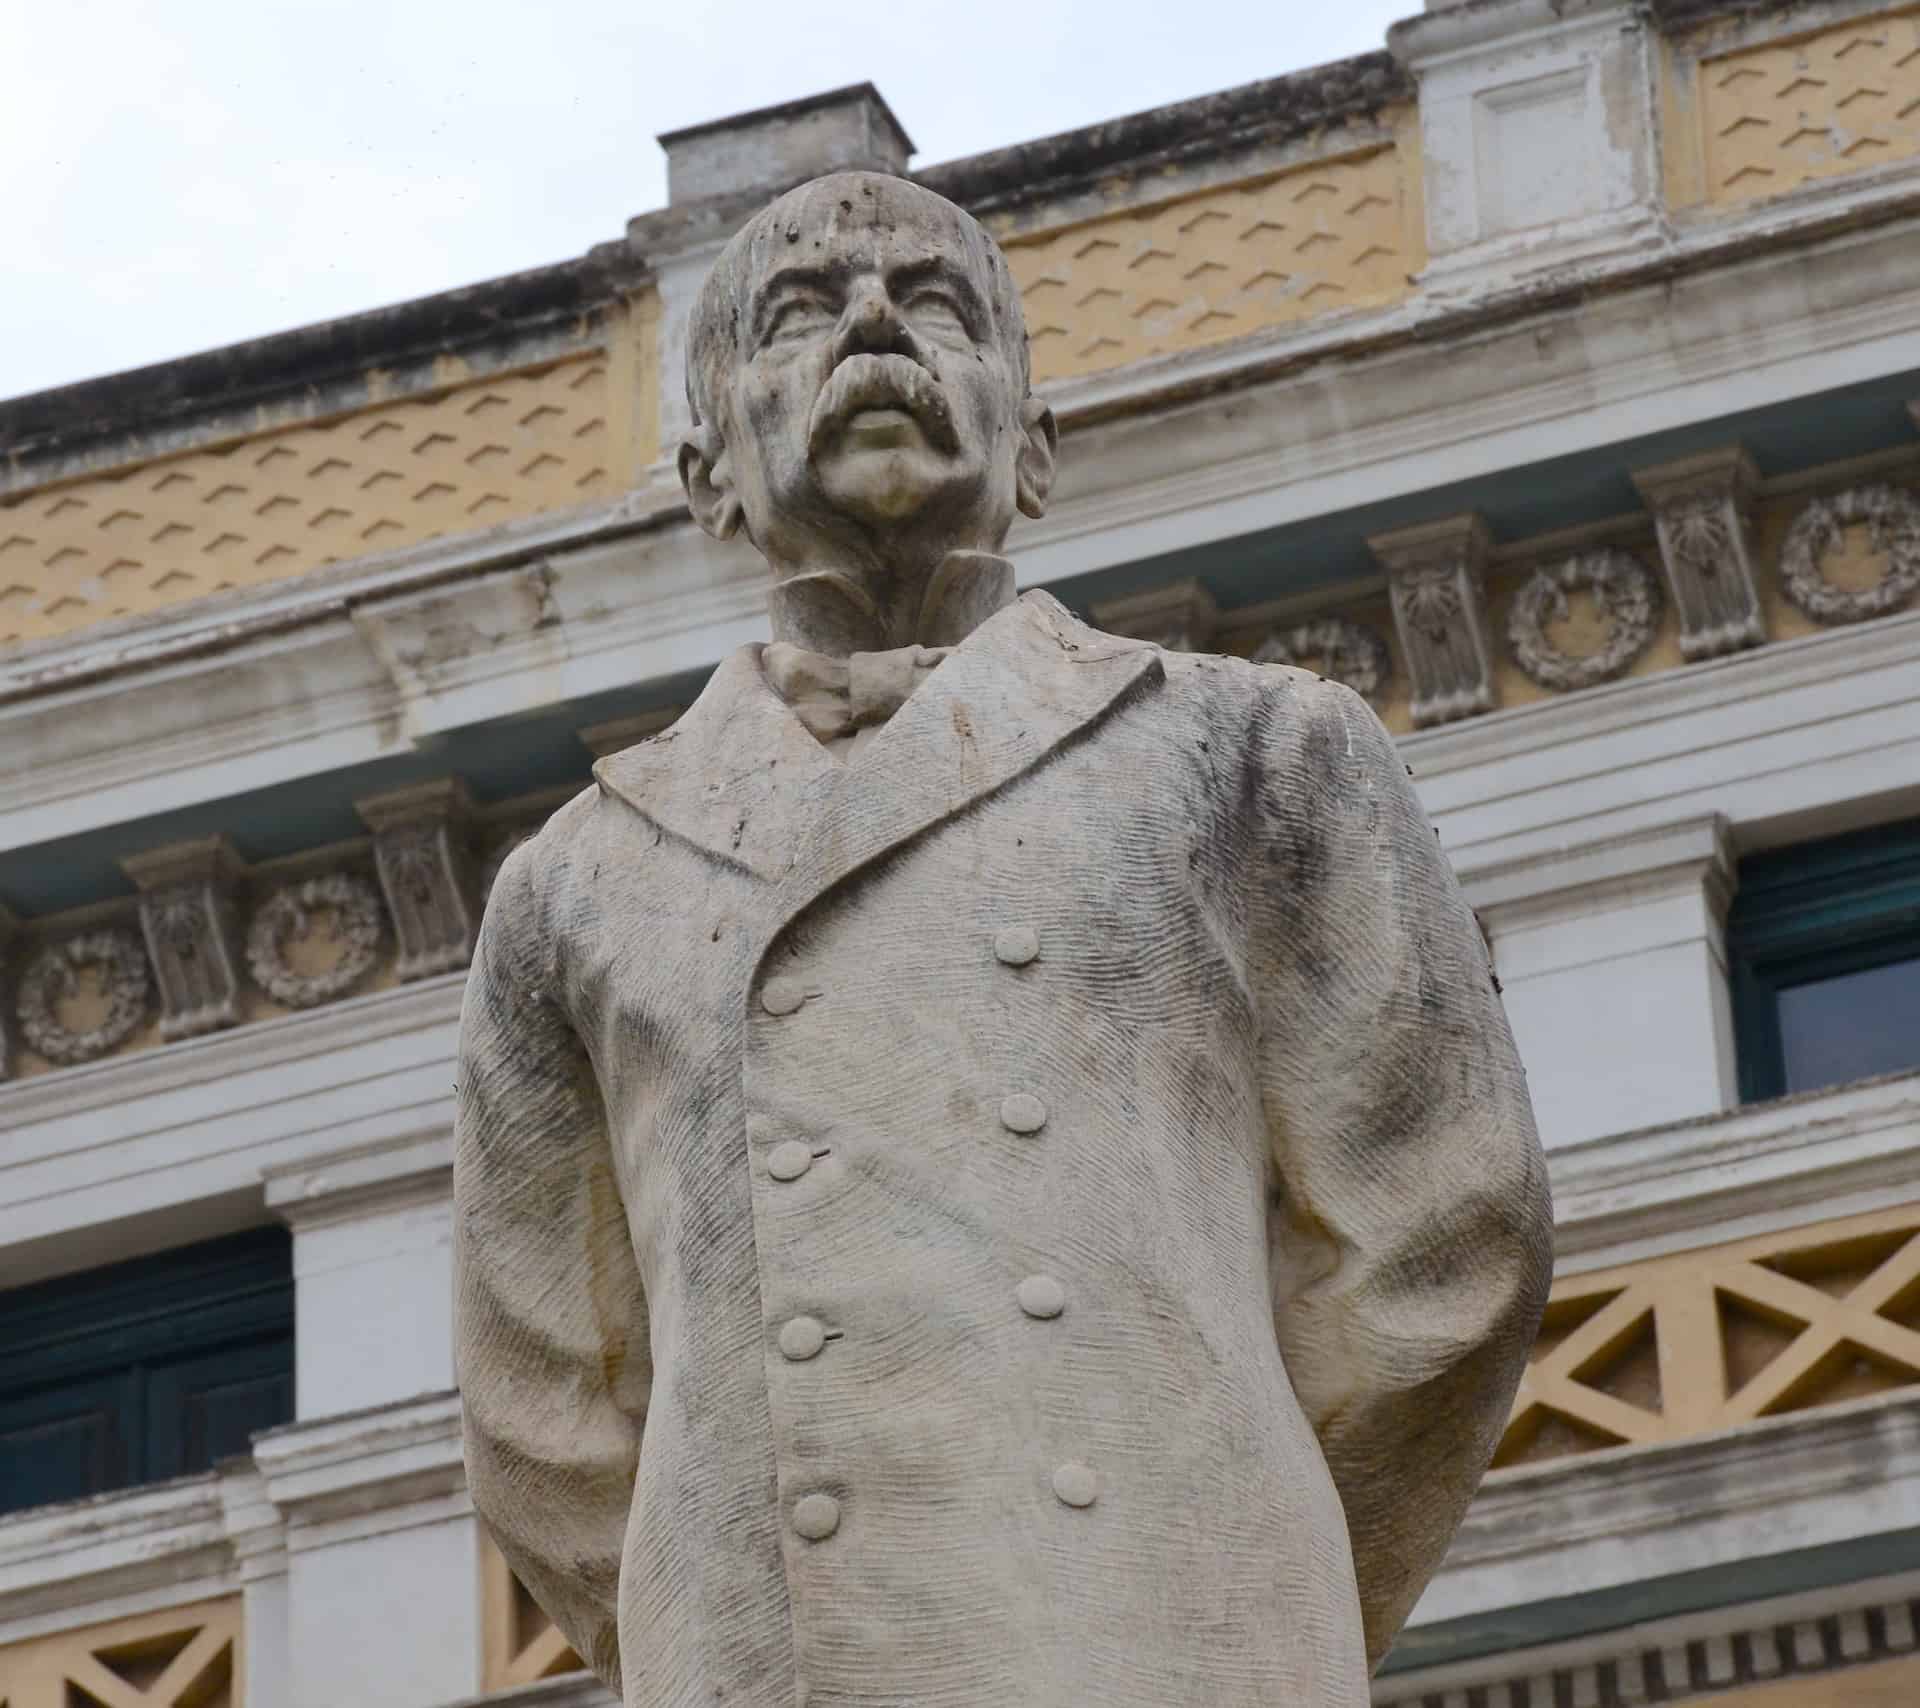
<point x="871" y="404"/>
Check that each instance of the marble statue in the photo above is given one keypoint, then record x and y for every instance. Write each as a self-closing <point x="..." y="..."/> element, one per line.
<point x="991" y="1168"/>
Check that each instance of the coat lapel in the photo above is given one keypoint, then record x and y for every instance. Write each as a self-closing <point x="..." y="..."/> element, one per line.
<point x="741" y="779"/>
<point x="737" y="777"/>
<point x="1024" y="682"/>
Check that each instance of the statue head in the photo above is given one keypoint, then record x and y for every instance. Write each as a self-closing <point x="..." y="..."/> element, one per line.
<point x="857" y="372"/>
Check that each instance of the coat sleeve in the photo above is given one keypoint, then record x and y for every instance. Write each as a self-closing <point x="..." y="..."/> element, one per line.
<point x="1411" y="1233"/>
<point x="550" y="1320"/>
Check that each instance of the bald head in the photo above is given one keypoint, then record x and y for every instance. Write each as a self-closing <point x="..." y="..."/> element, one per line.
<point x="835" y="223"/>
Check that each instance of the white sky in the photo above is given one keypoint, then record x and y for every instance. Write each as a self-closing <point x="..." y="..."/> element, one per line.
<point x="187" y="173"/>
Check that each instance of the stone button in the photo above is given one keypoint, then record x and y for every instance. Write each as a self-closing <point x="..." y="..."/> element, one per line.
<point x="1041" y="1296"/>
<point x="789" y="1159"/>
<point x="817" y="1516"/>
<point x="782" y="995"/>
<point x="801" y="1338"/>
<point x="1075" y="1484"/>
<point x="1023" y="1113"/>
<point x="1016" y="945"/>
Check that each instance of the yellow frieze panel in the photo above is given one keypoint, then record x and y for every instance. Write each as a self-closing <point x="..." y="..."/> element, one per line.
<point x="161" y="533"/>
<point x="187" y="1657"/>
<point x="1706" y="1340"/>
<point x="1216" y="265"/>
<point x="1783" y="114"/>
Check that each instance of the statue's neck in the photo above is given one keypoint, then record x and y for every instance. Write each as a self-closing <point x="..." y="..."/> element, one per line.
<point x="836" y="612"/>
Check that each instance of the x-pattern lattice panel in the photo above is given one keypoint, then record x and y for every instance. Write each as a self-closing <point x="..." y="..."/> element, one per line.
<point x="520" y="1643"/>
<point x="1781" y="115"/>
<point x="161" y="533"/>
<point x="1707" y="1340"/>
<point x="183" y="1658"/>
<point x="1214" y="266"/>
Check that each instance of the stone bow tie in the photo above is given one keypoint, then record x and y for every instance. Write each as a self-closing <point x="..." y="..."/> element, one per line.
<point x="834" y="697"/>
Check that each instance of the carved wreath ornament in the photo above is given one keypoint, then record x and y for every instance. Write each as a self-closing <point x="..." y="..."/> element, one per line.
<point x="288" y="914"/>
<point x="1892" y="518"/>
<point x="1348" y="652"/>
<point x="1628" y="597"/>
<point x="52" y="978"/>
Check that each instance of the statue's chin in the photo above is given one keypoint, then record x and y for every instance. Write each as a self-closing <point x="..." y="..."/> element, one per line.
<point x="881" y="483"/>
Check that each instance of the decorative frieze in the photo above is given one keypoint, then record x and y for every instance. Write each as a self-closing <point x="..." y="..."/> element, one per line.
<point x="420" y="848"/>
<point x="1180" y="616"/>
<point x="1627" y="596"/>
<point x="1436" y="575"/>
<point x="314" y="939"/>
<point x="1703" y="510"/>
<point x="1338" y="648"/>
<point x="84" y="996"/>
<point x="187" y="915"/>
<point x="1891" y="516"/>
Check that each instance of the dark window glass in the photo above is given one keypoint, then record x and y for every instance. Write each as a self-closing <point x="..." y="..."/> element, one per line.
<point x="1823" y="943"/>
<point x="1850" y="1026"/>
<point x="144" y="1370"/>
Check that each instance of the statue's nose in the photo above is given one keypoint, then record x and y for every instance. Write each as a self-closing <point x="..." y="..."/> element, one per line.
<point x="872" y="326"/>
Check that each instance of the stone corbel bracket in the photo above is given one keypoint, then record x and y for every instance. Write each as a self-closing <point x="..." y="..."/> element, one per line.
<point x="1180" y="616"/>
<point x="9" y="929"/>
<point x="1703" y="509"/>
<point x="1436" y="574"/>
<point x="188" y="916"/>
<point x="426" y="872"/>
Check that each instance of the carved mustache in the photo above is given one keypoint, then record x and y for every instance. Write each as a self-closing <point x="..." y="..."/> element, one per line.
<point x="881" y="382"/>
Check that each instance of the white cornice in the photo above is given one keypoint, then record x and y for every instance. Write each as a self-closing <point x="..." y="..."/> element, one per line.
<point x="1596" y="1521"/>
<point x="1756" y="1170"/>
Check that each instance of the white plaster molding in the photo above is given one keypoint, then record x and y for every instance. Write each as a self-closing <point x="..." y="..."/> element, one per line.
<point x="391" y="1173"/>
<point x="1808" y="735"/>
<point x="1757" y="1170"/>
<point x="1575" y="879"/>
<point x="1579" y="1525"/>
<point x="366" y="1473"/>
<point x="114" y="1555"/>
<point x="134" y="1153"/>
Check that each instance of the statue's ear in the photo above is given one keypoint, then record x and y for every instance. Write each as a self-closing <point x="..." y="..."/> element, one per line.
<point x="709" y="483"/>
<point x="1033" y="467"/>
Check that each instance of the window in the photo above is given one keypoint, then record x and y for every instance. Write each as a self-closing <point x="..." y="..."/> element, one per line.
<point x="144" y="1370"/>
<point x="1823" y="944"/>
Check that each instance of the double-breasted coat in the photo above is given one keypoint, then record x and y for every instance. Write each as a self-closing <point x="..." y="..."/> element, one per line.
<point x="1046" y="1212"/>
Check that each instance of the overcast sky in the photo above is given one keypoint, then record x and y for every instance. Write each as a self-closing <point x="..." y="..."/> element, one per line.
<point x="185" y="174"/>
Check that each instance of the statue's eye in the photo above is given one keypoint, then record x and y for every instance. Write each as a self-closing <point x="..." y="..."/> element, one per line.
<point x="798" y="317"/>
<point x="936" y="311"/>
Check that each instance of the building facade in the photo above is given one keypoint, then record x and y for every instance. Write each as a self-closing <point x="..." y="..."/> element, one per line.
<point x="1550" y="377"/>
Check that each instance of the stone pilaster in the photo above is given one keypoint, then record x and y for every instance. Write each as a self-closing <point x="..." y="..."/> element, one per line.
<point x="1180" y="616"/>
<point x="1539" y="141"/>
<point x="1703" y="509"/>
<point x="1435" y="574"/>
<point x="188" y="915"/>
<point x="420" y="848"/>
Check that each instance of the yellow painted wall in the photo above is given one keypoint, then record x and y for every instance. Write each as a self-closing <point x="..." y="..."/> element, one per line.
<point x="1177" y="275"/>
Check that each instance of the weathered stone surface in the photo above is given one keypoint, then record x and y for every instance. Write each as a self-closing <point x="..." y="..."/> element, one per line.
<point x="1703" y="509"/>
<point x="1440" y="610"/>
<point x="1048" y="1162"/>
<point x="420" y="849"/>
<point x="188" y="916"/>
